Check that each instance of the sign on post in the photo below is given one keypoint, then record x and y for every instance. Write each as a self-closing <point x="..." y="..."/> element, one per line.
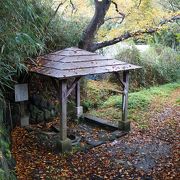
<point x="21" y="92"/>
<point x="21" y="95"/>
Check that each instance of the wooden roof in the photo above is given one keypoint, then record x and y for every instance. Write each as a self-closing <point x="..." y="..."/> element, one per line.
<point x="73" y="62"/>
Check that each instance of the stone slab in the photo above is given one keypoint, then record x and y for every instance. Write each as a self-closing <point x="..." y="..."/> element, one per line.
<point x="79" y="111"/>
<point x="64" y="146"/>
<point x="124" y="126"/>
<point x="24" y="121"/>
<point x="99" y="121"/>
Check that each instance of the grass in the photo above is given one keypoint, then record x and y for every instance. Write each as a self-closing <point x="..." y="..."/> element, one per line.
<point x="178" y="101"/>
<point x="143" y="98"/>
<point x="138" y="104"/>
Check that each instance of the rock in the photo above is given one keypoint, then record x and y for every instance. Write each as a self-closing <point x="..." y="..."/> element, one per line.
<point x="95" y="142"/>
<point x="119" y="161"/>
<point x="103" y="137"/>
<point x="40" y="116"/>
<point x="53" y="113"/>
<point x="130" y="164"/>
<point x="118" y="133"/>
<point x="47" y="114"/>
<point x="36" y="100"/>
<point x="44" y="103"/>
<point x="34" y="112"/>
<point x="112" y="137"/>
<point x="50" y="106"/>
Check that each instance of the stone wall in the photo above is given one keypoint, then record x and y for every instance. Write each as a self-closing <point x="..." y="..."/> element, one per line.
<point x="41" y="109"/>
<point x="43" y="101"/>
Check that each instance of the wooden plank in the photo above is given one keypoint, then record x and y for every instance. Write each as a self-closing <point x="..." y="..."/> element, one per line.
<point x="52" y="57"/>
<point x="82" y="72"/>
<point x="73" y="48"/>
<point x="93" y="119"/>
<point x="83" y="58"/>
<point x="119" y="79"/>
<point x="67" y="49"/>
<point x="125" y="96"/>
<point x="80" y="65"/>
<point x="75" y="53"/>
<point x="73" y="86"/>
<point x="77" y="94"/>
<point x="42" y="62"/>
<point x="63" y="109"/>
<point x="70" y="59"/>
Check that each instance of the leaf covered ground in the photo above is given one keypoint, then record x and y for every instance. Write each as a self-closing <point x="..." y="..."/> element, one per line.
<point x="151" y="153"/>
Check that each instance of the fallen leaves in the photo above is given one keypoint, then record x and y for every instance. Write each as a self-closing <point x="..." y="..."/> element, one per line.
<point x="120" y="159"/>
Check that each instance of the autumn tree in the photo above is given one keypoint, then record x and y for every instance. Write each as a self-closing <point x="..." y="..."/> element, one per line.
<point x="117" y="20"/>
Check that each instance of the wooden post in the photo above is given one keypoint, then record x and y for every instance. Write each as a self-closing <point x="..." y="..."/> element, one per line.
<point x="63" y="113"/>
<point x="125" y="124"/>
<point x="79" y="108"/>
<point x="65" y="143"/>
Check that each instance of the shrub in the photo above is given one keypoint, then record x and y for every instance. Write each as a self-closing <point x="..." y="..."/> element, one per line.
<point x="141" y="99"/>
<point x="169" y="37"/>
<point x="5" y="154"/>
<point x="159" y="65"/>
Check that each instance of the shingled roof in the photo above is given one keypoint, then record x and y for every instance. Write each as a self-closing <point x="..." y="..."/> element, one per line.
<point x="74" y="62"/>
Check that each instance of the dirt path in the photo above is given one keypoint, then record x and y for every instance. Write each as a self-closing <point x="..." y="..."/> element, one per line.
<point x="150" y="154"/>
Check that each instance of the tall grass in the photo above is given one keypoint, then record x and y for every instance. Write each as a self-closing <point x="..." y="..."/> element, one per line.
<point x="25" y="33"/>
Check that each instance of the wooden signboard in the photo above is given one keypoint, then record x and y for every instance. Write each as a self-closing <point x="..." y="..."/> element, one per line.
<point x="21" y="92"/>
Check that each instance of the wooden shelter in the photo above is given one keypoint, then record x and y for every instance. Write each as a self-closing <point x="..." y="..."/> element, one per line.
<point x="76" y="63"/>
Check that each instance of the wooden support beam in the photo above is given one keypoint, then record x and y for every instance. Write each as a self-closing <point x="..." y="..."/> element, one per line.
<point x="63" y="110"/>
<point x="119" y="79"/>
<point x="79" y="108"/>
<point x="78" y="94"/>
<point x="125" y="124"/>
<point x="73" y="86"/>
<point x="65" y="143"/>
<point x="125" y="95"/>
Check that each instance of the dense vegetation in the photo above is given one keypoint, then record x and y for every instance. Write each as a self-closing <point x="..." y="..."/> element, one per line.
<point x="28" y="28"/>
<point x="160" y="64"/>
<point x="33" y="31"/>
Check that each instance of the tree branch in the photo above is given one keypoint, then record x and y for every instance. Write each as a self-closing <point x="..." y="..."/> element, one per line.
<point x="55" y="12"/>
<point x="128" y="35"/>
<point x="120" y="13"/>
<point x="101" y="8"/>
<point x="111" y="18"/>
<point x="139" y="4"/>
<point x="73" y="7"/>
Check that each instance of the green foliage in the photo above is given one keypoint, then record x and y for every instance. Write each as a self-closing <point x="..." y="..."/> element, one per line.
<point x="169" y="37"/>
<point x="178" y="101"/>
<point x="112" y="101"/>
<point x="141" y="99"/>
<point x="87" y="105"/>
<point x="159" y="65"/>
<point x="171" y="5"/>
<point x="97" y="92"/>
<point x="138" y="104"/>
<point x="24" y="34"/>
<point x="5" y="154"/>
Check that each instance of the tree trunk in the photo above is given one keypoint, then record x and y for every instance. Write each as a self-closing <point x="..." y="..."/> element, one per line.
<point x="88" y="42"/>
<point x="101" y="8"/>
